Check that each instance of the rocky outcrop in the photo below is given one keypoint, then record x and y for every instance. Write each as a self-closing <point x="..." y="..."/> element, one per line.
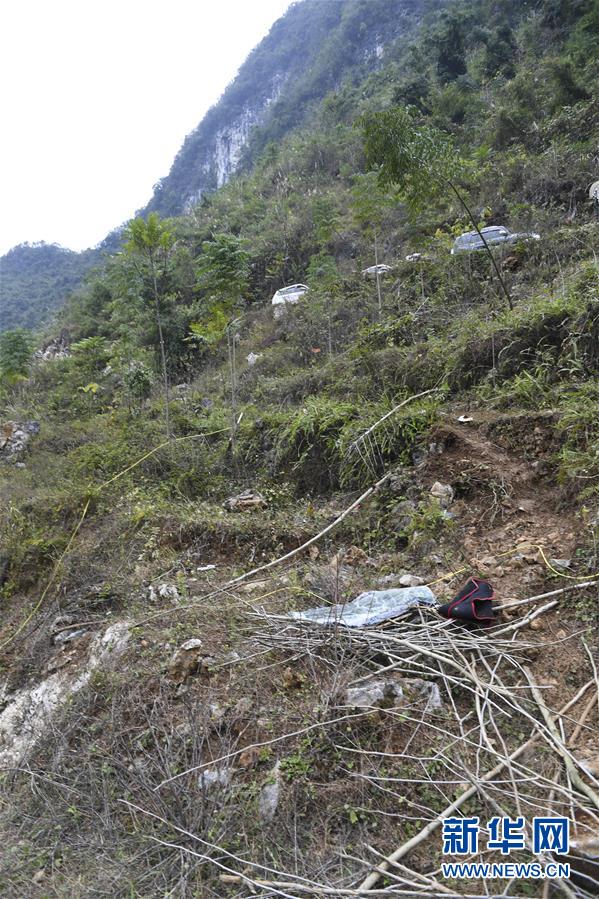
<point x="14" y="437"/>
<point x="28" y="712"/>
<point x="307" y="53"/>
<point x="58" y="348"/>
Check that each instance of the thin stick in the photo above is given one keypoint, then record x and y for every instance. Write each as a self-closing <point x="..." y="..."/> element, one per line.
<point x="482" y="237"/>
<point x="367" y="493"/>
<point x="521" y="602"/>
<point x="367" y="433"/>
<point x="585" y="714"/>
<point x="331" y="891"/>
<point x="555" y="734"/>
<point x="593" y="665"/>
<point x="403" y="850"/>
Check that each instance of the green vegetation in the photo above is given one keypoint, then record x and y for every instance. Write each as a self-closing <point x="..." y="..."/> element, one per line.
<point x="101" y="510"/>
<point x="150" y="243"/>
<point x="16" y="349"/>
<point x="188" y="300"/>
<point x="35" y="280"/>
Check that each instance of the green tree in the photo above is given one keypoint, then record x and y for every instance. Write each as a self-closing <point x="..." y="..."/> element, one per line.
<point x="420" y="161"/>
<point x="223" y="268"/>
<point x="369" y="204"/>
<point x="449" y="44"/>
<point x="150" y="243"/>
<point x="325" y="216"/>
<point x="223" y="272"/>
<point x="90" y="355"/>
<point x="16" y="350"/>
<point x="323" y="278"/>
<point x="568" y="90"/>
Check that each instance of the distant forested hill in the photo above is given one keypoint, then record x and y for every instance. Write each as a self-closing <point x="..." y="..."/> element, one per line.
<point x="35" y="279"/>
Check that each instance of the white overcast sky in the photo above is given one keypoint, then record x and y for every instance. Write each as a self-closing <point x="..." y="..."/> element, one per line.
<point x="96" y="99"/>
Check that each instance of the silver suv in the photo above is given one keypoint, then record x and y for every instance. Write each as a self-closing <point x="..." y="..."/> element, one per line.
<point x="493" y="234"/>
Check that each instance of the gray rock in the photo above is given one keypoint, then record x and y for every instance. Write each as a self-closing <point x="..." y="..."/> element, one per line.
<point x="390" y="691"/>
<point x="411" y="580"/>
<point x="436" y="449"/>
<point x="270" y="795"/>
<point x="212" y="778"/>
<point x="401" y="579"/>
<point x="561" y="563"/>
<point x="443" y="492"/>
<point x="56" y="349"/>
<point x="426" y="689"/>
<point x="14" y="437"/>
<point x="379" y="693"/>
<point x="186" y="661"/>
<point x="163" y="591"/>
<point x="404" y="513"/>
<point x="389" y="580"/>
<point x="68" y="636"/>
<point x="193" y="643"/>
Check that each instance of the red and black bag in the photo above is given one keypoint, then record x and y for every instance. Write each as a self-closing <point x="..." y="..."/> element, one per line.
<point x="474" y="603"/>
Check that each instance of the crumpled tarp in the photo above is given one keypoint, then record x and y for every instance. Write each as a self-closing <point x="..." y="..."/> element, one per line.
<point x="370" y="608"/>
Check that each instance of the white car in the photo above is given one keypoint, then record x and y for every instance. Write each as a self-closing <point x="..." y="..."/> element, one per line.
<point x="494" y="235"/>
<point x="287" y="296"/>
<point x="375" y="270"/>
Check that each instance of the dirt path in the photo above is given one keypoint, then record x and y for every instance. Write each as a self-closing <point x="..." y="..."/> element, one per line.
<point x="506" y="495"/>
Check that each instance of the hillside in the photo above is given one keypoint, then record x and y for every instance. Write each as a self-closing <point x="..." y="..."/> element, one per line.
<point x="195" y="486"/>
<point x="35" y="279"/>
<point x="310" y="50"/>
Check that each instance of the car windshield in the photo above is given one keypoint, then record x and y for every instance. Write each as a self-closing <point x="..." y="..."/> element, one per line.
<point x="469" y="239"/>
<point x="473" y="238"/>
<point x="295" y="288"/>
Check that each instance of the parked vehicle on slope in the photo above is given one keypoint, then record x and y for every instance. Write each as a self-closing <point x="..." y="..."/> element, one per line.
<point x="373" y="270"/>
<point x="495" y="235"/>
<point x="287" y="296"/>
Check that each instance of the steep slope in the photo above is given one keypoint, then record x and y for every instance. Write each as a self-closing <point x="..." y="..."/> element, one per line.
<point x="166" y="726"/>
<point x="308" y="51"/>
